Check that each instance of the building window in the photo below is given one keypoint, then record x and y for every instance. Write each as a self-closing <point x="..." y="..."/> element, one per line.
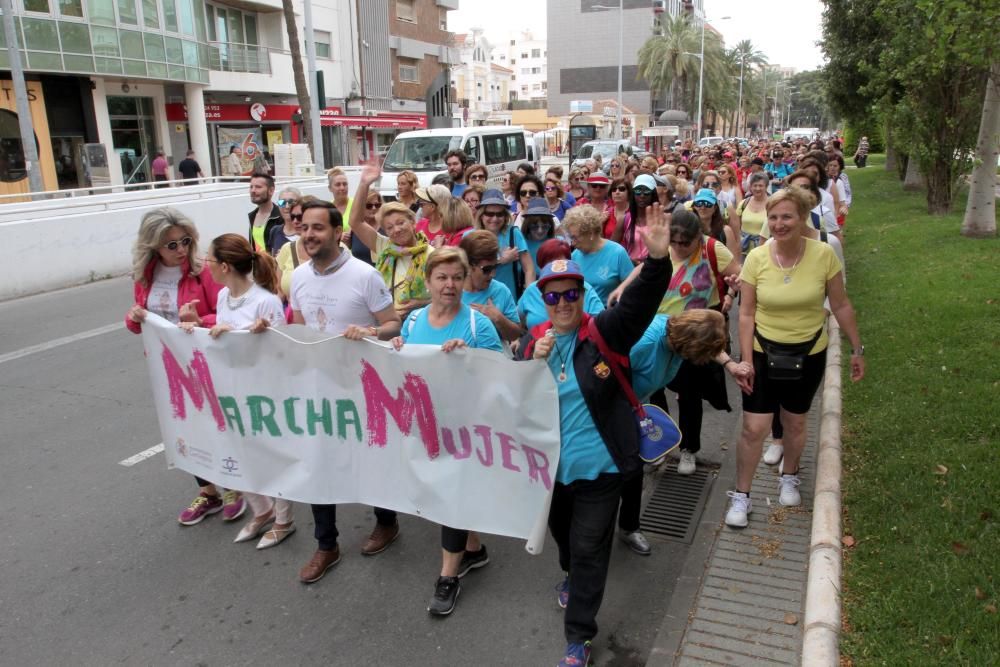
<point x="536" y="70"/>
<point x="525" y="70"/>
<point x="408" y="72"/>
<point x="443" y="18"/>
<point x="536" y="53"/>
<point x="404" y="11"/>
<point x="321" y="38"/>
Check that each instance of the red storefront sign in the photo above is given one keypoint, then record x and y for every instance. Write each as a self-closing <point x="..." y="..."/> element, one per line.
<point x="282" y="113"/>
<point x="333" y="117"/>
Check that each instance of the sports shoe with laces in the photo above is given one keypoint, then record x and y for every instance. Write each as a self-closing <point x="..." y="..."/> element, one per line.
<point x="577" y="655"/>
<point x="562" y="592"/>
<point x="233" y="505"/>
<point x="739" y="508"/>
<point x="473" y="560"/>
<point x="199" y="508"/>
<point x="445" y="595"/>
<point x="687" y="463"/>
<point x="774" y="453"/>
<point x="788" y="490"/>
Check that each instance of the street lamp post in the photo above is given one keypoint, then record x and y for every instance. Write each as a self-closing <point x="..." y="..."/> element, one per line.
<point x="739" y="104"/>
<point x="701" y="74"/>
<point x="621" y="55"/>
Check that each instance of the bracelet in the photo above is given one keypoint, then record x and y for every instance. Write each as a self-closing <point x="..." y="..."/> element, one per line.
<point x="374" y="331"/>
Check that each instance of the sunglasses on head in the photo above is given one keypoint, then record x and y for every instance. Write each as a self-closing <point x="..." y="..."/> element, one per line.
<point x="287" y="203"/>
<point x="529" y="193"/>
<point x="570" y="296"/>
<point x="174" y="245"/>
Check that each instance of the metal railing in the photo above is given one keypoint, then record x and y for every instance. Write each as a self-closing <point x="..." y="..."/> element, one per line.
<point x="236" y="57"/>
<point x="115" y="189"/>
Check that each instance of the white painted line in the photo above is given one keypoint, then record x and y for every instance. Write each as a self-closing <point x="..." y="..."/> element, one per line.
<point x="58" y="342"/>
<point x="142" y="456"/>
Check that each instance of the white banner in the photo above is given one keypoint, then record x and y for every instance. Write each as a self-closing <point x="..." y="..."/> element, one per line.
<point x="468" y="439"/>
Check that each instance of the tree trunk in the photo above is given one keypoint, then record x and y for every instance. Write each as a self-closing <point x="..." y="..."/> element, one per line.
<point x="940" y="182"/>
<point x="914" y="180"/>
<point x="980" y="210"/>
<point x="890" y="157"/>
<point x="301" y="90"/>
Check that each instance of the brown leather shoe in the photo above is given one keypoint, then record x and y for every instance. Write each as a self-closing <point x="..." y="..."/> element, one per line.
<point x="317" y="566"/>
<point x="380" y="539"/>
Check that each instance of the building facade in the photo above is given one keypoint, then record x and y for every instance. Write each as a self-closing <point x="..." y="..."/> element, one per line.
<point x="583" y="61"/>
<point x="482" y="88"/>
<point x="527" y="57"/>
<point x="124" y="79"/>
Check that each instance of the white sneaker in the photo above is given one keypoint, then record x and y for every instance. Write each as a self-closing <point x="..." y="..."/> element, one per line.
<point x="739" y="508"/>
<point x="788" y="490"/>
<point x="687" y="463"/>
<point x="773" y="454"/>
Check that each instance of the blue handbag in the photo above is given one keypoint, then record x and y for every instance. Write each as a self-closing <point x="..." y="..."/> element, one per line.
<point x="658" y="433"/>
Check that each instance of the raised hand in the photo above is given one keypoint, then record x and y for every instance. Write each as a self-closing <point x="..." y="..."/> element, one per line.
<point x="371" y="171"/>
<point x="656" y="233"/>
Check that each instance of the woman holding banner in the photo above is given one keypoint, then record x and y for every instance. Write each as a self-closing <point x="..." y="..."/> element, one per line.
<point x="599" y="435"/>
<point x="170" y="282"/>
<point x="452" y="325"/>
<point x="249" y="295"/>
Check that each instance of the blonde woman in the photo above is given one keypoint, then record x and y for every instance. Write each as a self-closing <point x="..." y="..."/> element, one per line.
<point x="406" y="190"/>
<point x="337" y="183"/>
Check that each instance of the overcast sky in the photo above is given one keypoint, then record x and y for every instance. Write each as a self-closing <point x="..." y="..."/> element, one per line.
<point x="789" y="37"/>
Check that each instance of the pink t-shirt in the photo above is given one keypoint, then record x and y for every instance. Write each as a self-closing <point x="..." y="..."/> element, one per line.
<point x="423" y="226"/>
<point x="160" y="166"/>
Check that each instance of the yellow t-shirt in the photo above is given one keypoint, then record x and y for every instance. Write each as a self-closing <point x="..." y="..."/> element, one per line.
<point x="791" y="312"/>
<point x="753" y="222"/>
<point x="284" y="260"/>
<point x="693" y="283"/>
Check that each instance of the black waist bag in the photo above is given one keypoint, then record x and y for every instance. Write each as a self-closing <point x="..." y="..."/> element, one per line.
<point x="785" y="361"/>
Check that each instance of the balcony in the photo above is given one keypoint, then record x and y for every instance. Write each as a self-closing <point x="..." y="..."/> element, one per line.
<point x="235" y="57"/>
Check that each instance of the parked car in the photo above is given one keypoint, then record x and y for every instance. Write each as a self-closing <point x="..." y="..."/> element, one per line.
<point x="606" y="148"/>
<point x="710" y="141"/>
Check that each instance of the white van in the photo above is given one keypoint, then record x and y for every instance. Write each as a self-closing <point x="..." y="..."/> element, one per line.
<point x="499" y="148"/>
<point x="794" y="133"/>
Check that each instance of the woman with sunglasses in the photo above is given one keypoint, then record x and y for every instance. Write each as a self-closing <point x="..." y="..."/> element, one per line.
<point x="575" y="188"/>
<point x="605" y="264"/>
<point x="527" y="187"/>
<point x="643" y="195"/>
<point x="448" y="322"/>
<point x="620" y="210"/>
<point x="683" y="171"/>
<point x="554" y="194"/>
<point x="294" y="253"/>
<point x="714" y="224"/>
<point x="476" y="174"/>
<point x="249" y="295"/>
<point x="616" y="168"/>
<point x="170" y="282"/>
<point x="289" y="231"/>
<point x="516" y="268"/>
<point x="538" y="225"/>
<point x="401" y="254"/>
<point x="507" y="188"/>
<point x="599" y="442"/>
<point x="531" y="306"/>
<point x="472" y="195"/>
<point x="433" y="200"/>
<point x="373" y="202"/>
<point x="482" y="292"/>
<point x="406" y="190"/>
<point x="730" y="192"/>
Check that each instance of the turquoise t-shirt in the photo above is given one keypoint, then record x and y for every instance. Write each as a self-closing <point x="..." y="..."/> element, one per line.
<point x="582" y="452"/>
<point x="418" y="331"/>
<point x="501" y="297"/>
<point x="505" y="272"/>
<point x="531" y="307"/>
<point x="533" y="247"/>
<point x="606" y="268"/>
<point x="653" y="363"/>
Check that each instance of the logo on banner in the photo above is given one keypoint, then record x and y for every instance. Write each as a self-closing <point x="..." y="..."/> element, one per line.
<point x="181" y="446"/>
<point x="258" y="111"/>
<point x="230" y="465"/>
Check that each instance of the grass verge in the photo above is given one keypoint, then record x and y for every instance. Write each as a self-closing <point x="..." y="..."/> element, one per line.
<point x="921" y="435"/>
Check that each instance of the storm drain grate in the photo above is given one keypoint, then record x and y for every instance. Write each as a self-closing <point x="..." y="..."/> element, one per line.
<point x="675" y="508"/>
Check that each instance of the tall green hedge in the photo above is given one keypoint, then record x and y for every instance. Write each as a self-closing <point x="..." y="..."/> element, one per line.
<point x="870" y="128"/>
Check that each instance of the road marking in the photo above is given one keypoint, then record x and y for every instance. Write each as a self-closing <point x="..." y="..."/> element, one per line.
<point x="142" y="456"/>
<point x="58" y="342"/>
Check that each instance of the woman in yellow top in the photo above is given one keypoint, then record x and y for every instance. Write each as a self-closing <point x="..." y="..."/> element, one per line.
<point x="750" y="215"/>
<point x="783" y="341"/>
<point x="292" y="253"/>
<point x="337" y="184"/>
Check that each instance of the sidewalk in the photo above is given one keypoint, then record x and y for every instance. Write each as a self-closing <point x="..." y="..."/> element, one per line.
<point x="741" y="598"/>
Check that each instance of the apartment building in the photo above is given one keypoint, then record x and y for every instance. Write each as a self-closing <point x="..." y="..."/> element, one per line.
<point x="482" y="88"/>
<point x="527" y="57"/>
<point x="112" y="82"/>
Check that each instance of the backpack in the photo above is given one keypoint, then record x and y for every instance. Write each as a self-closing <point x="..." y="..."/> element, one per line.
<point x="713" y="260"/>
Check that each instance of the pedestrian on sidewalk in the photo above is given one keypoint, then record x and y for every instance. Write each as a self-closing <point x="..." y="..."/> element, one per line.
<point x="783" y="341"/>
<point x="599" y="438"/>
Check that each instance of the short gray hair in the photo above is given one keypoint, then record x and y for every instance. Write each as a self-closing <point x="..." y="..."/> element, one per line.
<point x="152" y="230"/>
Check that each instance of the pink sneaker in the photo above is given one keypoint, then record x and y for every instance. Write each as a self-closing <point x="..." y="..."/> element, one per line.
<point x="200" y="507"/>
<point x="233" y="505"/>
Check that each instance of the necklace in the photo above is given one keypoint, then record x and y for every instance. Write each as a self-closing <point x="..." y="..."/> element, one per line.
<point x="235" y="304"/>
<point x="788" y="272"/>
<point x="564" y="356"/>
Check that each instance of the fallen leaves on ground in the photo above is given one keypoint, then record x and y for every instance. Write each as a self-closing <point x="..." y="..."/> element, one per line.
<point x="848" y="541"/>
<point x="959" y="548"/>
<point x="940" y="469"/>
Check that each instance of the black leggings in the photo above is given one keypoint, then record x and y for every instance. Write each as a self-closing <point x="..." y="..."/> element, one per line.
<point x="202" y="482"/>
<point x="453" y="540"/>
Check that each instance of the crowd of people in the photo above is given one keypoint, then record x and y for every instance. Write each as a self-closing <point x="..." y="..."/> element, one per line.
<point x="638" y="263"/>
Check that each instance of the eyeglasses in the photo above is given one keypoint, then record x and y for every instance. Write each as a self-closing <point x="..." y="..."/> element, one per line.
<point x="477" y="177"/>
<point x="494" y="214"/>
<point x="174" y="245"/>
<point x="373" y="206"/>
<point x="529" y="193"/>
<point x="296" y="216"/>
<point x="287" y="203"/>
<point x="682" y="243"/>
<point x="488" y="268"/>
<point x="569" y="296"/>
<point x="550" y="188"/>
<point x="621" y="188"/>
<point x="599" y="186"/>
<point x="642" y="192"/>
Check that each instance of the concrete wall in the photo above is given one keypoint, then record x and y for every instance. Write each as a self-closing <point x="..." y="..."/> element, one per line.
<point x="58" y="243"/>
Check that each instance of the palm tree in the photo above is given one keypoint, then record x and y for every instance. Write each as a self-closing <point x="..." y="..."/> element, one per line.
<point x="749" y="58"/>
<point x="669" y="61"/>
<point x="298" y="73"/>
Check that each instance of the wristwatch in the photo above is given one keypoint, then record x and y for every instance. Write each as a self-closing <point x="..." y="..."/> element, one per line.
<point x="860" y="352"/>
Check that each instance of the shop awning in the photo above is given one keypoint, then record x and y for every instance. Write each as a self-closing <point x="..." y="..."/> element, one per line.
<point x="414" y="122"/>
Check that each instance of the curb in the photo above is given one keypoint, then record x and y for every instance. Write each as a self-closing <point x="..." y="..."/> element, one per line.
<point x="821" y="637"/>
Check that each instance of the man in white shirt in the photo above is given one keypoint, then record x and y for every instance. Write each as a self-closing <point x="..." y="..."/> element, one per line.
<point x="335" y="292"/>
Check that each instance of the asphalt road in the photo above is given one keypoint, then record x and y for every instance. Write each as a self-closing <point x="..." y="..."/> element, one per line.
<point x="97" y="571"/>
